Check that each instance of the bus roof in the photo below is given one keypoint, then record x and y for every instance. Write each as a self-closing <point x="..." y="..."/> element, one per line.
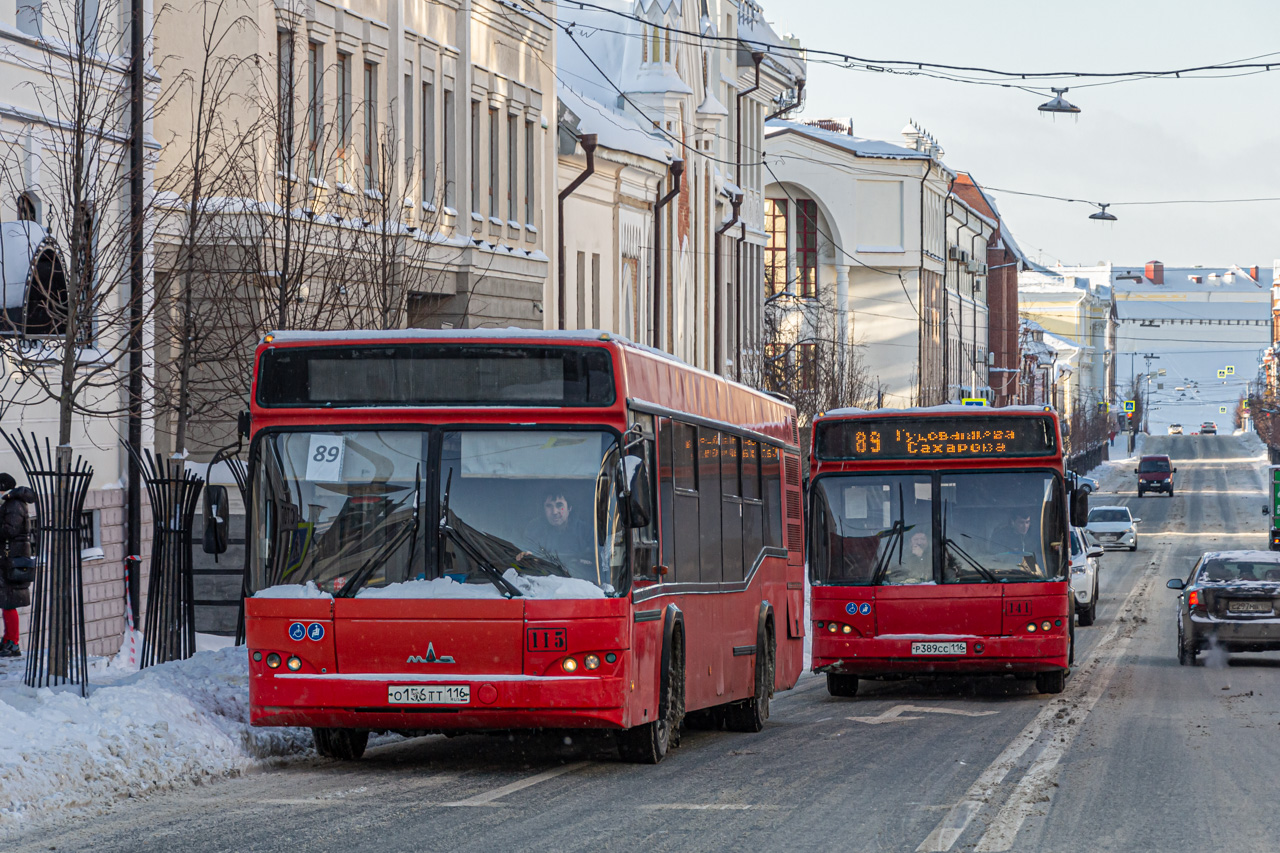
<point x="948" y="409"/>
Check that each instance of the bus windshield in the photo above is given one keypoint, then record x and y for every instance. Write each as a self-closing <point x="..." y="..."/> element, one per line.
<point x="971" y="527"/>
<point x="350" y="510"/>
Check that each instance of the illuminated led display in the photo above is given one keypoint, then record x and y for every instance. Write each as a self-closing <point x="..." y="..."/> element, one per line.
<point x="936" y="438"/>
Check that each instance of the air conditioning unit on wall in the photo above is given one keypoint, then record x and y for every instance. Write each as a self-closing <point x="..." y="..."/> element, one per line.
<point x="954" y="253"/>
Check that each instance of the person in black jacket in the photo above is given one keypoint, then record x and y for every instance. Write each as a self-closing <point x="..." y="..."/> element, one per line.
<point x="15" y="559"/>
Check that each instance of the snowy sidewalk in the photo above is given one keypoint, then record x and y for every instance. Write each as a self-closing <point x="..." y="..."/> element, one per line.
<point x="171" y="725"/>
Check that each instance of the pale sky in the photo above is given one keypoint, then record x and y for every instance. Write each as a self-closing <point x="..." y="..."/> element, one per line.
<point x="1134" y="141"/>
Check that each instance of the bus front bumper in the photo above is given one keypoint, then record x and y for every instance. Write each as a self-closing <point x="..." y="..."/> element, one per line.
<point x="868" y="656"/>
<point x="494" y="702"/>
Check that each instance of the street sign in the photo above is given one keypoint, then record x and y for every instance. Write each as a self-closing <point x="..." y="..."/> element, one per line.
<point x="1222" y="374"/>
<point x="1244" y="404"/>
<point x="1222" y="410"/>
<point x="1130" y="406"/>
<point x="1104" y="407"/>
<point x="1231" y="370"/>
<point x="974" y="401"/>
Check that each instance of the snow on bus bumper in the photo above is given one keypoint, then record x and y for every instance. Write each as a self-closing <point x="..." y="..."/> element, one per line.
<point x="495" y="702"/>
<point x="884" y="656"/>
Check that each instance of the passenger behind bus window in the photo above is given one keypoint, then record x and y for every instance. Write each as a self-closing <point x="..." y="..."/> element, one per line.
<point x="916" y="565"/>
<point x="558" y="534"/>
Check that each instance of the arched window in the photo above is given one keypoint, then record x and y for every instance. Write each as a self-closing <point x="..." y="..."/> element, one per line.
<point x="656" y="44"/>
<point x="27" y="211"/>
<point x="86" y="250"/>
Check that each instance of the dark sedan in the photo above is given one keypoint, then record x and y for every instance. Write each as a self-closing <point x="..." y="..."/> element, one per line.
<point x="1231" y="600"/>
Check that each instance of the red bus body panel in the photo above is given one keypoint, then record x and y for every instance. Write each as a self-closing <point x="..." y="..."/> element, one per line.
<point x="344" y="678"/>
<point x="992" y="615"/>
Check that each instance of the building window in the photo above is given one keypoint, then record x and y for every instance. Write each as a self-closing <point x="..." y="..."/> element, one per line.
<point x="494" y="162"/>
<point x="407" y="133"/>
<point x="446" y="139"/>
<point x="29" y="17"/>
<point x="475" y="156"/>
<point x="528" y="173"/>
<point x="344" y="114"/>
<point x="807" y="366"/>
<point x="775" y="258"/>
<point x="27" y="211"/>
<point x="806" y="247"/>
<point x="284" y="112"/>
<point x="370" y="126"/>
<point x="513" y="165"/>
<point x="315" y="107"/>
<point x="428" y="145"/>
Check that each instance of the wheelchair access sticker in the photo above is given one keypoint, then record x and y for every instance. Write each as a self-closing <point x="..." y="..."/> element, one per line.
<point x="297" y="631"/>
<point x="853" y="608"/>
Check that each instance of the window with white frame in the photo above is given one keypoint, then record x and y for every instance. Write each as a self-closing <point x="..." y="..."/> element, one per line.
<point x="371" y="181"/>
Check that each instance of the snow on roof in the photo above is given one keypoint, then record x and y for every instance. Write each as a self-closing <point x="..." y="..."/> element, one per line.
<point x="1183" y="279"/>
<point x="1138" y="310"/>
<point x="754" y="30"/>
<point x="856" y="145"/>
<point x="615" y="130"/>
<point x="1038" y="282"/>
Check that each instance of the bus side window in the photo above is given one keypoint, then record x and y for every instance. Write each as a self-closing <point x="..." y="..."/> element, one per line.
<point x="684" y="459"/>
<point x="709" y="506"/>
<point x="752" y="508"/>
<point x="731" y="506"/>
<point x="644" y="540"/>
<point x="771" y="476"/>
<point x="666" y="495"/>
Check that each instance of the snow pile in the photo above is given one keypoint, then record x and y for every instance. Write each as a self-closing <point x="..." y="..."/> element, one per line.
<point x="293" y="590"/>
<point x="169" y="725"/>
<point x="552" y="587"/>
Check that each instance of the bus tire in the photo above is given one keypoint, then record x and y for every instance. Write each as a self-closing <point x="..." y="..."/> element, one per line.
<point x="341" y="744"/>
<point x="845" y="686"/>
<point x="750" y="715"/>
<point x="649" y="743"/>
<point x="1051" y="682"/>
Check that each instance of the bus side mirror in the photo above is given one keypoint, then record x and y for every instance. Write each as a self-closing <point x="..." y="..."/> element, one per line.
<point x="638" y="500"/>
<point x="1266" y="510"/>
<point x="215" y="520"/>
<point x="1079" y="507"/>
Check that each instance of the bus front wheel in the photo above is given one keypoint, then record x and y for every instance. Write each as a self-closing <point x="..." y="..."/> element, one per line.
<point x="342" y="744"/>
<point x="649" y="743"/>
<point x="842" y="685"/>
<point x="1051" y="682"/>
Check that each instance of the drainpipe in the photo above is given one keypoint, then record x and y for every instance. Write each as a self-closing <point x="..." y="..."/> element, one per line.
<point x="920" y="392"/>
<point x="960" y="306"/>
<point x="737" y="285"/>
<point x="589" y="141"/>
<point x="736" y="201"/>
<point x="973" y="292"/>
<point x="677" y="169"/>
<point x="137" y="255"/>
<point x="756" y="58"/>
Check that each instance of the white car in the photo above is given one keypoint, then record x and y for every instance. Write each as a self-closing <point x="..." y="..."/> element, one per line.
<point x="1113" y="527"/>
<point x="1085" y="552"/>
<point x="1089" y="484"/>
<point x="1175" y="429"/>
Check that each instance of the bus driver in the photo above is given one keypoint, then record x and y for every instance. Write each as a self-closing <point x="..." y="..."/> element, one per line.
<point x="560" y="536"/>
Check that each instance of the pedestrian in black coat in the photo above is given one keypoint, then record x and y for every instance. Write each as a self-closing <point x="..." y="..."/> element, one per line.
<point x="15" y="559"/>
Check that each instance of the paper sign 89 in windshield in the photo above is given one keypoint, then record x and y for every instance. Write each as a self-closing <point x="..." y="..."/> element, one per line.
<point x="936" y="438"/>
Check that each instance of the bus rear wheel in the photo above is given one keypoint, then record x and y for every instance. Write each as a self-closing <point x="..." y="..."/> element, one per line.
<point x="842" y="685"/>
<point x="342" y="744"/>
<point x="750" y="715"/>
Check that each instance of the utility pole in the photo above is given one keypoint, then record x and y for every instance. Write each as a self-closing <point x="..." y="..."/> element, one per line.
<point x="1146" y="403"/>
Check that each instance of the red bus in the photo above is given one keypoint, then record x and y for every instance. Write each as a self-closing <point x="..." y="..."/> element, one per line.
<point x="484" y="531"/>
<point x="938" y="545"/>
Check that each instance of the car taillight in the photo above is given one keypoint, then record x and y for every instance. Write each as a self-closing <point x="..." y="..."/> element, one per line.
<point x="1193" y="598"/>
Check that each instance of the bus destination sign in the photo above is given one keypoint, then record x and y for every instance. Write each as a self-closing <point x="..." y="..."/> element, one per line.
<point x="936" y="438"/>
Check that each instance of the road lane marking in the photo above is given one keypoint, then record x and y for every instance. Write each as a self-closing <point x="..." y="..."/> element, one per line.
<point x="699" y="807"/>
<point x="1035" y="785"/>
<point x="952" y="826"/>
<point x="895" y="714"/>
<point x="488" y="798"/>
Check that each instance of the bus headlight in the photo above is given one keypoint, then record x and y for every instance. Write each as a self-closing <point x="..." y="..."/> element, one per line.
<point x="591" y="661"/>
<point x="1031" y="626"/>
<point x="569" y="665"/>
<point x="294" y="663"/>
<point x="273" y="660"/>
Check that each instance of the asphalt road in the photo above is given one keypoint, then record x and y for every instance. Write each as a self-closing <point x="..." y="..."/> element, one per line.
<point x="1138" y="754"/>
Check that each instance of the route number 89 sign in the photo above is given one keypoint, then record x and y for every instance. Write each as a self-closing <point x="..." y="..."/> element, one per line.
<point x="324" y="458"/>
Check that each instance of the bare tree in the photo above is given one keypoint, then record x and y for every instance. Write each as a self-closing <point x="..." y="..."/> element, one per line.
<point x="70" y="338"/>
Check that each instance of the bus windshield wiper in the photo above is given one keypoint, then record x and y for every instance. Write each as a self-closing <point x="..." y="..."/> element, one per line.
<point x="896" y="534"/>
<point x="456" y="537"/>
<point x="389" y="547"/>
<point x="953" y="545"/>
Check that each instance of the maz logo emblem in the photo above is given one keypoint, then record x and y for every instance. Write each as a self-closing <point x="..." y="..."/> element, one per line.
<point x="431" y="657"/>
